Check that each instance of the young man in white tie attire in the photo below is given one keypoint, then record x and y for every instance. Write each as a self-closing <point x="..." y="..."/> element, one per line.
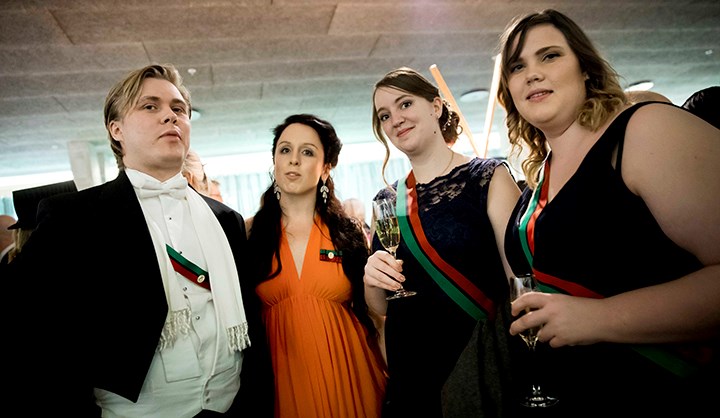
<point x="141" y="312"/>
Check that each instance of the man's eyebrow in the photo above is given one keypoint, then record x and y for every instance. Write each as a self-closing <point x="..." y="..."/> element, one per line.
<point x="157" y="99"/>
<point x="149" y="98"/>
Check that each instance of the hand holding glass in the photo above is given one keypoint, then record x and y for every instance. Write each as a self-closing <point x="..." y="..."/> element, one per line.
<point x="519" y="285"/>
<point x="388" y="232"/>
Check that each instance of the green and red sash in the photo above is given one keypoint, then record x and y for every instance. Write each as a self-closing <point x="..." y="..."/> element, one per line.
<point x="461" y="290"/>
<point x="550" y="284"/>
<point x="188" y="269"/>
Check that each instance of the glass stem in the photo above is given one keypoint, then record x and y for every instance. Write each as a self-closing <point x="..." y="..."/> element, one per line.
<point x="534" y="370"/>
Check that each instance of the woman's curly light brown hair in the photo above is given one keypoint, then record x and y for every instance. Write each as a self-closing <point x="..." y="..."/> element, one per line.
<point x="604" y="96"/>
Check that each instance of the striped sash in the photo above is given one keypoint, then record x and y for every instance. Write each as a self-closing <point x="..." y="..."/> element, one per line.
<point x="550" y="284"/>
<point x="461" y="290"/>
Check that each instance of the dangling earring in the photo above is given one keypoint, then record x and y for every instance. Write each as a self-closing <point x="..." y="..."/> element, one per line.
<point x="447" y="124"/>
<point x="324" y="191"/>
<point x="276" y="190"/>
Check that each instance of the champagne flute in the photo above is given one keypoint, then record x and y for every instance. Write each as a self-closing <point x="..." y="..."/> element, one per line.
<point x="519" y="285"/>
<point x="388" y="231"/>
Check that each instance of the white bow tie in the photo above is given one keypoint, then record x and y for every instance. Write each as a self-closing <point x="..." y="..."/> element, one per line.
<point x="175" y="187"/>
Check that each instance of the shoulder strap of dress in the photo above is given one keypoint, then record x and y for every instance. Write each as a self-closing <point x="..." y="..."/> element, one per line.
<point x="619" y="125"/>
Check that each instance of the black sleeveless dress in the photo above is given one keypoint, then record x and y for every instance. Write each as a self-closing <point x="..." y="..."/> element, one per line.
<point x="597" y="234"/>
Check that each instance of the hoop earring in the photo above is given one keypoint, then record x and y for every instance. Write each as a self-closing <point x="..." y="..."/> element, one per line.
<point x="324" y="191"/>
<point x="276" y="190"/>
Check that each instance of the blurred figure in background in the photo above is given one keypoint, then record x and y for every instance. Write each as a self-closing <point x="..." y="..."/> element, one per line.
<point x="29" y="207"/>
<point x="215" y="192"/>
<point x="7" y="239"/>
<point x="355" y="209"/>
<point x="705" y="104"/>
<point x="194" y="172"/>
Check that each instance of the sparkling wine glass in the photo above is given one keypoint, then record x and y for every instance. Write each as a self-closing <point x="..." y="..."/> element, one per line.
<point x="388" y="231"/>
<point x="519" y="285"/>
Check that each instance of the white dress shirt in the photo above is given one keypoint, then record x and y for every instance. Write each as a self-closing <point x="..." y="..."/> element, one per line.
<point x="198" y="371"/>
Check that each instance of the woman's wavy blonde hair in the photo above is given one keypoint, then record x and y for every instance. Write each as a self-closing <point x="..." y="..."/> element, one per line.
<point x="604" y="96"/>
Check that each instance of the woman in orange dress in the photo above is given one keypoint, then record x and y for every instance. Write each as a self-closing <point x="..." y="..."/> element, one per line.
<point x="310" y="258"/>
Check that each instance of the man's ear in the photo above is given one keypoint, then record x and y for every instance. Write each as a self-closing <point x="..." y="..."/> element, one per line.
<point x="115" y="130"/>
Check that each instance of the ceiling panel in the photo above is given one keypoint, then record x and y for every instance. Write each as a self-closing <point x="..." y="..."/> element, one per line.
<point x="248" y="64"/>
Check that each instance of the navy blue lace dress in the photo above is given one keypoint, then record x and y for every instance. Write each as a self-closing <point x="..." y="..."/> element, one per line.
<point x="426" y="333"/>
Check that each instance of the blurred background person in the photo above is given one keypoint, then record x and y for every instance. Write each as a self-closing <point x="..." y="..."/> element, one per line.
<point x="7" y="240"/>
<point x="29" y="208"/>
<point x="705" y="104"/>
<point x="194" y="171"/>
<point x="215" y="192"/>
<point x="309" y="257"/>
<point x="355" y="209"/>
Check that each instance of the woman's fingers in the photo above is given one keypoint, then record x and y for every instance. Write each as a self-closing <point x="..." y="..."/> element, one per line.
<point x="383" y="270"/>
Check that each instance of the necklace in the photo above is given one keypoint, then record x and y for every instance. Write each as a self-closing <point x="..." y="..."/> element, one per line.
<point x="452" y="157"/>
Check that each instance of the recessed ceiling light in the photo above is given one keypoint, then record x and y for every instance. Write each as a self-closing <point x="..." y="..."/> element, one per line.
<point x="474" y="95"/>
<point x="643" y="85"/>
<point x="195" y="114"/>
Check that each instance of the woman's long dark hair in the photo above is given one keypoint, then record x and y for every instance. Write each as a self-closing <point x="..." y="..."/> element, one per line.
<point x="346" y="234"/>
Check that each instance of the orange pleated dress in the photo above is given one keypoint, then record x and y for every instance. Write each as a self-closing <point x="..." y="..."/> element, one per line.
<point x="322" y="362"/>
